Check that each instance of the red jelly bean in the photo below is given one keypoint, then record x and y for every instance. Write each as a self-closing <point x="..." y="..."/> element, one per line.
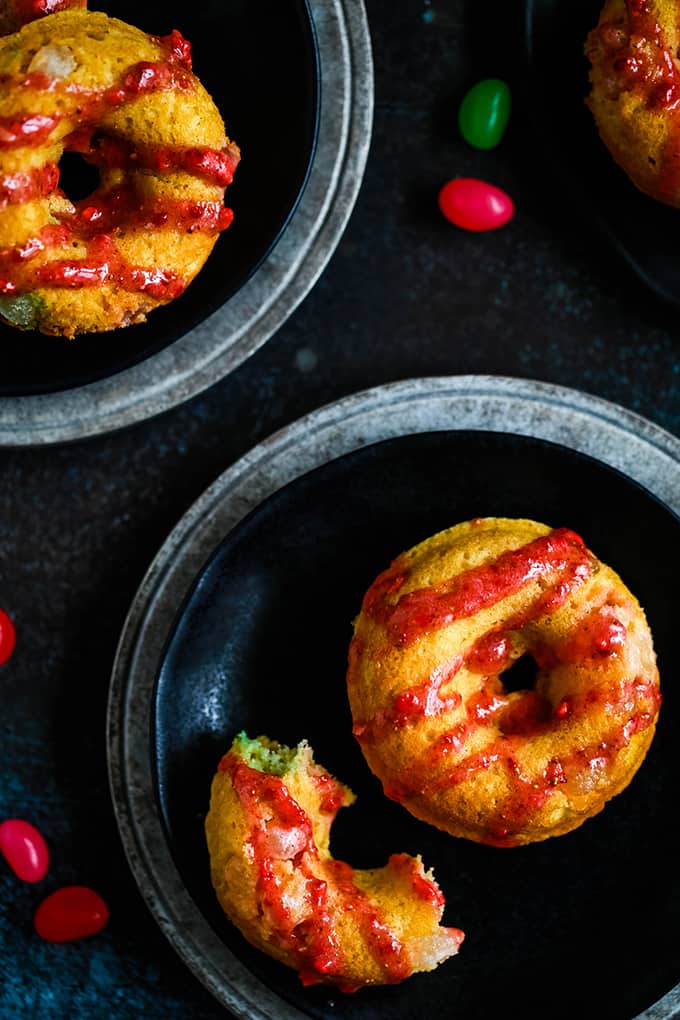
<point x="7" y="637"/>
<point x="72" y="912"/>
<point x="475" y="205"/>
<point x="24" y="849"/>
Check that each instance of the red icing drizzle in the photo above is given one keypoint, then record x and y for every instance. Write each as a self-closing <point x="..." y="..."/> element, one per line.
<point x="30" y="10"/>
<point x="144" y="77"/>
<point x="420" y="612"/>
<point x="597" y="636"/>
<point x="26" y="185"/>
<point x="635" y="57"/>
<point x="30" y="129"/>
<point x="97" y="219"/>
<point x="425" y="698"/>
<point x="282" y="831"/>
<point x="108" y="152"/>
<point x="639" y="58"/>
<point x="561" y="553"/>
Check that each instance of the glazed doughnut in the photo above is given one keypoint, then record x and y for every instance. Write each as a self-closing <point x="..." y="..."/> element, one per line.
<point x="82" y="82"/>
<point x="268" y="830"/>
<point x="436" y="723"/>
<point x="635" y="91"/>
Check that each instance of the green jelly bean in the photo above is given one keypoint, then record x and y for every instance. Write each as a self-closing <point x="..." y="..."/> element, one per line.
<point x="484" y="112"/>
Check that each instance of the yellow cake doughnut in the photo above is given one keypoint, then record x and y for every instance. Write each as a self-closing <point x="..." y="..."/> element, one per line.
<point x="79" y="81"/>
<point x="268" y="830"/>
<point x="435" y="722"/>
<point x="635" y="91"/>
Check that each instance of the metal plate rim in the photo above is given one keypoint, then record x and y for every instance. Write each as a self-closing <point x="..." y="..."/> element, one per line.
<point x="235" y="331"/>
<point x="606" y="431"/>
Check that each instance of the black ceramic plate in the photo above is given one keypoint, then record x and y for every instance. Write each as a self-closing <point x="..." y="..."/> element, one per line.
<point x="258" y="60"/>
<point x="643" y="232"/>
<point x="573" y="927"/>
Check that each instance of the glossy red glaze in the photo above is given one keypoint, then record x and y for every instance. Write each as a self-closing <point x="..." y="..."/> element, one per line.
<point x="425" y="888"/>
<point x="171" y="74"/>
<point x="30" y="10"/>
<point x="528" y="715"/>
<point x="216" y="167"/>
<point x="562" y="562"/>
<point x="332" y="794"/>
<point x="7" y="637"/>
<point x="97" y="219"/>
<point x="28" y="184"/>
<point x="24" y="849"/>
<point x="31" y="129"/>
<point x="639" y="58"/>
<point x="417" y="613"/>
<point x="425" y="698"/>
<point x="281" y="830"/>
<point x="600" y="634"/>
<point x="72" y="912"/>
<point x="490" y="654"/>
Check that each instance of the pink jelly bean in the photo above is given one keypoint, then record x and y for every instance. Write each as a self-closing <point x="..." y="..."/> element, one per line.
<point x="7" y="637"/>
<point x="24" y="849"/>
<point x="475" y="205"/>
<point x="72" y="912"/>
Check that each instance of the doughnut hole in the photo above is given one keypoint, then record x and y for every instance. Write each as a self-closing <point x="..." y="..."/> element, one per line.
<point x="78" y="179"/>
<point x="528" y="708"/>
<point x="520" y="676"/>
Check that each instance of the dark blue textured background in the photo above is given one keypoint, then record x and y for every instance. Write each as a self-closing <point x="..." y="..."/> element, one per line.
<point x="404" y="295"/>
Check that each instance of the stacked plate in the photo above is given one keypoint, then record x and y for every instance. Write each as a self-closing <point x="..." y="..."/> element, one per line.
<point x="244" y="620"/>
<point x="304" y="145"/>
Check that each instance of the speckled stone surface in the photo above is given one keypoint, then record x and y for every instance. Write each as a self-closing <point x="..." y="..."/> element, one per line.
<point x="405" y="295"/>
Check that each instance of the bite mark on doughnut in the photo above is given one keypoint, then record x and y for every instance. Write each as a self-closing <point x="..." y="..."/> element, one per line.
<point x="268" y="832"/>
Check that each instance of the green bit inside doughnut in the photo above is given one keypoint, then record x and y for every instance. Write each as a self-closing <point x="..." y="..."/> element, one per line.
<point x="267" y="755"/>
<point x="23" y="311"/>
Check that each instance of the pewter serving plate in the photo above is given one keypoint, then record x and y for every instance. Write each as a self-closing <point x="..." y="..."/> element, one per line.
<point x="293" y="81"/>
<point x="243" y="621"/>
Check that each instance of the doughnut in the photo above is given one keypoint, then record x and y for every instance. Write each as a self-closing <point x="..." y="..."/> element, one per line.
<point x="78" y="81"/>
<point x="433" y="703"/>
<point x="635" y="91"/>
<point x="268" y="831"/>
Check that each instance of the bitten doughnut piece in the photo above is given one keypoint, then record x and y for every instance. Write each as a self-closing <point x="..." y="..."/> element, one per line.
<point x="436" y="632"/>
<point x="268" y="830"/>
<point x="635" y="93"/>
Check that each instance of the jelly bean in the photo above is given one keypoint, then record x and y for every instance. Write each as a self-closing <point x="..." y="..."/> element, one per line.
<point x="475" y="205"/>
<point x="24" y="849"/>
<point x="72" y="912"/>
<point x="484" y="113"/>
<point x="7" y="637"/>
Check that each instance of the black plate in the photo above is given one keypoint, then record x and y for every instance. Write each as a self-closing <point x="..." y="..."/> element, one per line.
<point x="643" y="232"/>
<point x="258" y="60"/>
<point x="573" y="927"/>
